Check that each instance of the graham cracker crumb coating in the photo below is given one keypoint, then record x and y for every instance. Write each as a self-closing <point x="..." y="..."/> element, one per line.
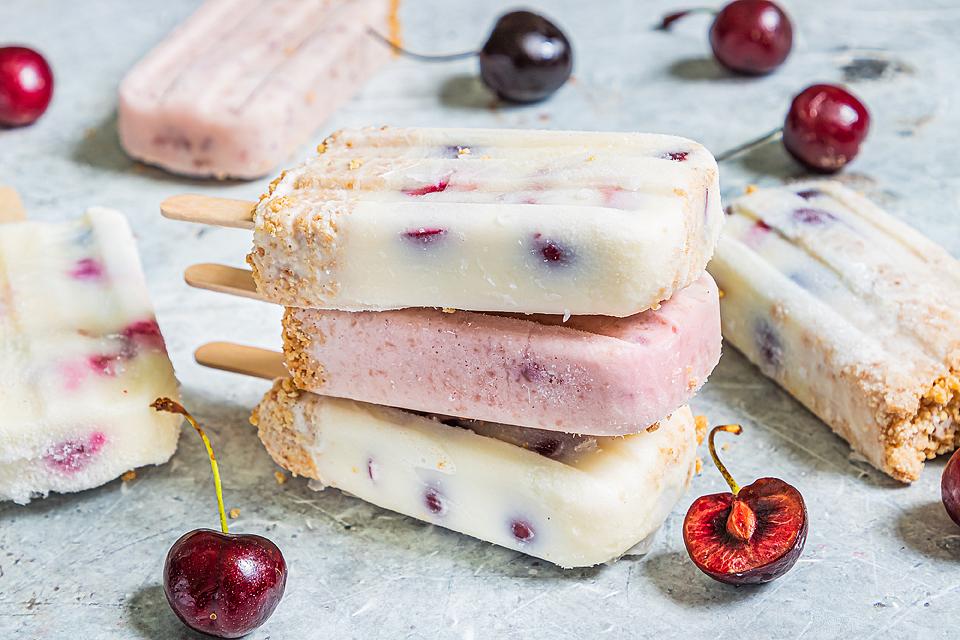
<point x="932" y="430"/>
<point x="274" y="420"/>
<point x="307" y="373"/>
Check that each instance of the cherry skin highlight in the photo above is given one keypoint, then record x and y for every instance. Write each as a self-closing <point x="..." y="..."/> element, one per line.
<point x="750" y="535"/>
<point x="751" y="37"/>
<point x="825" y="126"/>
<point x="26" y="86"/>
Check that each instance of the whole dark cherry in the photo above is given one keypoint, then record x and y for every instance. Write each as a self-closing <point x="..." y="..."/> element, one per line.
<point x="526" y="58"/>
<point x="219" y="583"/>
<point x="750" y="535"/>
<point x="825" y="126"/>
<point x="950" y="487"/>
<point x="26" y="86"/>
<point x="823" y="130"/>
<point x="751" y="37"/>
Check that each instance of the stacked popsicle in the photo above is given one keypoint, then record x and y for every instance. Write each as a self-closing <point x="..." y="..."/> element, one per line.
<point x="493" y="331"/>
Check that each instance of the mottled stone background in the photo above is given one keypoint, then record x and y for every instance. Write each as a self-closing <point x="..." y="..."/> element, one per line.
<point x="882" y="560"/>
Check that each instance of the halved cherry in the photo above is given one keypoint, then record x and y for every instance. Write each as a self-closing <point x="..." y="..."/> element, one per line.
<point x="751" y="535"/>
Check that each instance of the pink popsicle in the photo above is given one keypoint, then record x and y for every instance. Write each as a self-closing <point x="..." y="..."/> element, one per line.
<point x="594" y="375"/>
<point x="242" y="83"/>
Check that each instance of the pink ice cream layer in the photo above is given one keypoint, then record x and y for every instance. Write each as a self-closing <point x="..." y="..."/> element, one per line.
<point x="593" y="375"/>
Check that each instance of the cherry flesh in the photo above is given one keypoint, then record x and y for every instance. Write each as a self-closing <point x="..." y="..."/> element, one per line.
<point x="221" y="584"/>
<point x="750" y="535"/>
<point x="26" y="86"/>
<point x="825" y="126"/>
<point x="526" y="58"/>
<point x="224" y="585"/>
<point x="751" y="37"/>
<point x="950" y="487"/>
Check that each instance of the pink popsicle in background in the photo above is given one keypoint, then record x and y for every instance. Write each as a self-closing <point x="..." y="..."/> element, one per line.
<point x="237" y="87"/>
<point x="593" y="375"/>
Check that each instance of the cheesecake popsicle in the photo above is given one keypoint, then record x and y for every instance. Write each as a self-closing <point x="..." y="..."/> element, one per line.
<point x="241" y="84"/>
<point x="81" y="358"/>
<point x="594" y="375"/>
<point x="572" y="500"/>
<point x="552" y="222"/>
<point x="853" y="312"/>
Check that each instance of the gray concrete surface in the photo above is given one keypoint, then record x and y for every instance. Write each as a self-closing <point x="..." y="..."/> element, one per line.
<point x="882" y="560"/>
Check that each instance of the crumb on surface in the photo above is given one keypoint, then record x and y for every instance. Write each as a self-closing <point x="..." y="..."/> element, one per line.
<point x="701" y="424"/>
<point x="721" y="293"/>
<point x="751" y="188"/>
<point x="653" y="427"/>
<point x="280" y="476"/>
<point x="234" y="513"/>
<point x="699" y="465"/>
<point x="449" y="310"/>
<point x="129" y="476"/>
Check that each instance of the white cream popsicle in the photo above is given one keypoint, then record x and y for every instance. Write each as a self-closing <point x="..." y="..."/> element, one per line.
<point x="851" y="311"/>
<point x="554" y="222"/>
<point x="235" y="89"/>
<point x="573" y="500"/>
<point x="81" y="358"/>
<point x="590" y="375"/>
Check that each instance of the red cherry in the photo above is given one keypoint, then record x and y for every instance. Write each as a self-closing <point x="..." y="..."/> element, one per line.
<point x="950" y="487"/>
<point x="222" y="584"/>
<point x="746" y="536"/>
<point x="26" y="86"/>
<point x="225" y="585"/>
<point x="751" y="36"/>
<point x="825" y="126"/>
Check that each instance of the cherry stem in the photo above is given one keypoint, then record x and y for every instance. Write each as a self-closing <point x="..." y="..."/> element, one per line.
<point x="170" y="406"/>
<point x="429" y="57"/>
<point x="770" y="136"/>
<point x="670" y="18"/>
<point x="729" y="428"/>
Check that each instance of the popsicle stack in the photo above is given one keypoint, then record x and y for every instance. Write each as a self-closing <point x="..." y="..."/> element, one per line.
<point x="495" y="331"/>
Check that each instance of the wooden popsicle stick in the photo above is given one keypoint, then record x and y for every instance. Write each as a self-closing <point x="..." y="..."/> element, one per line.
<point x="238" y="358"/>
<point x="223" y="279"/>
<point x="11" y="207"/>
<point x="220" y="212"/>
